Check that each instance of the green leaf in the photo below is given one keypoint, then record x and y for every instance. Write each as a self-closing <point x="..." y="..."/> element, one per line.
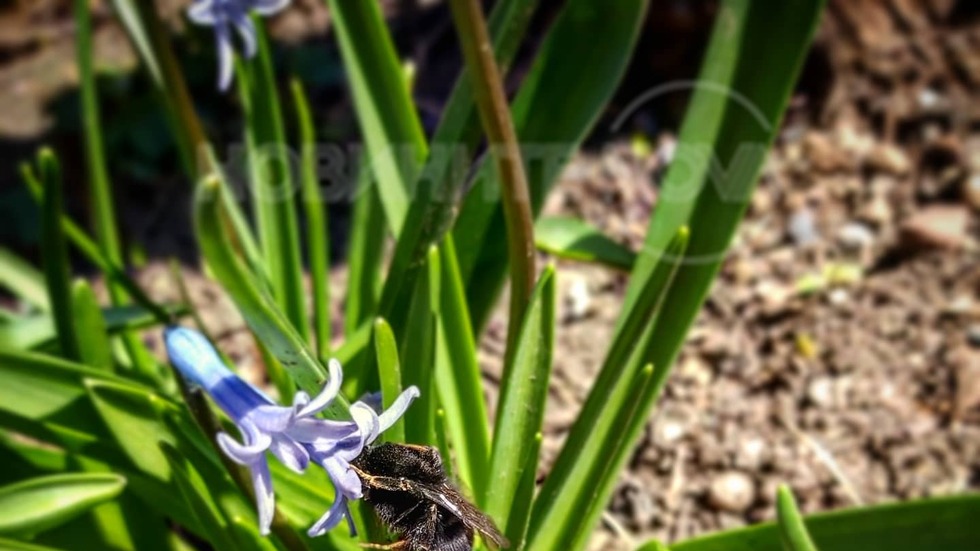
<point x="54" y="252"/>
<point x="22" y="455"/>
<point x="742" y="91"/>
<point x="390" y="373"/>
<point x="38" y="504"/>
<point x="317" y="233"/>
<point x="587" y="467"/>
<point x="23" y="280"/>
<point x="418" y="353"/>
<point x="391" y="129"/>
<point x="544" y="112"/>
<point x="36" y="386"/>
<point x="94" y="346"/>
<point x="947" y="523"/>
<point x="133" y="416"/>
<point x="152" y="40"/>
<point x="128" y="13"/>
<point x="259" y="311"/>
<point x="118" y="524"/>
<point x="100" y="190"/>
<point x="91" y="251"/>
<point x="458" y="379"/>
<point x="365" y="256"/>
<point x="523" y="392"/>
<point x="38" y="330"/>
<point x="575" y="239"/>
<point x="272" y="185"/>
<point x="195" y="493"/>
<point x="13" y="545"/>
<point x="445" y="175"/>
<point x="790" y="520"/>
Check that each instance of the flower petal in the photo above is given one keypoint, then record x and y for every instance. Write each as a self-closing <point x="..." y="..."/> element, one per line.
<point x="265" y="499"/>
<point x="329" y="391"/>
<point x="225" y="57"/>
<point x="272" y="418"/>
<point x="268" y="7"/>
<point x="397" y="409"/>
<point x="256" y="442"/>
<point x="317" y="431"/>
<point x="331" y="518"/>
<point x="239" y="453"/>
<point x="195" y="357"/>
<point x="203" y="12"/>
<point x="367" y="422"/>
<point x="300" y="399"/>
<point x="345" y="480"/>
<point x="290" y="453"/>
<point x="246" y="31"/>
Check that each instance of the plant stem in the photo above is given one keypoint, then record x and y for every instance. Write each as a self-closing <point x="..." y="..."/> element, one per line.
<point x="494" y="112"/>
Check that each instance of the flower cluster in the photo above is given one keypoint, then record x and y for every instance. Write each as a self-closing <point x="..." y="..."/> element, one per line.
<point x="294" y="435"/>
<point x="227" y="17"/>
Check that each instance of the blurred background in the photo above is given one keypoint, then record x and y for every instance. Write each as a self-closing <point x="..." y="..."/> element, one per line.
<point x="840" y="348"/>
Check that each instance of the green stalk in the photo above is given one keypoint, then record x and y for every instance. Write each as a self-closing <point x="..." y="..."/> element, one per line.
<point x="54" y="253"/>
<point x="172" y="89"/>
<point x="91" y="251"/>
<point x="106" y="232"/>
<point x="316" y="223"/>
<point x="791" y="525"/>
<point x="488" y="91"/>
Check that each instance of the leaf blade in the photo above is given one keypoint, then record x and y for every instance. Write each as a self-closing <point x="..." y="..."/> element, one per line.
<point x="41" y="503"/>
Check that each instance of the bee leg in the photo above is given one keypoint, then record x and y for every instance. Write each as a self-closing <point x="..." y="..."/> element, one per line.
<point x="394" y="546"/>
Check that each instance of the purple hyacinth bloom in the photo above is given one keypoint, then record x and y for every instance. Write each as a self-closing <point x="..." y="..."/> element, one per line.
<point x="294" y="435"/>
<point x="227" y="16"/>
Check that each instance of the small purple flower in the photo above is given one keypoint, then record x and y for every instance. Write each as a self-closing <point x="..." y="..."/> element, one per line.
<point x="226" y="16"/>
<point x="295" y="435"/>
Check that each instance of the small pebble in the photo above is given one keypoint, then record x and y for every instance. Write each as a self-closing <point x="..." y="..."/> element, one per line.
<point x="803" y="228"/>
<point x="732" y="491"/>
<point x="855" y="235"/>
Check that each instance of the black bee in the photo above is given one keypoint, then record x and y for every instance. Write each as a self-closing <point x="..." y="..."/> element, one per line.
<point x="412" y="495"/>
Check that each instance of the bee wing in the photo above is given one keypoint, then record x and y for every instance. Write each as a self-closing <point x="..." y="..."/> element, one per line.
<point x="450" y="499"/>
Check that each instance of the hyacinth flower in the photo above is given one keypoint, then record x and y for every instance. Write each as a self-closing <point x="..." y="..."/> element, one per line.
<point x="228" y="17"/>
<point x="294" y="435"/>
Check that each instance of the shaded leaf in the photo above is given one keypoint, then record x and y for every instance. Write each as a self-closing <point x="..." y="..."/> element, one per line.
<point x="38" y="504"/>
<point x="576" y="239"/>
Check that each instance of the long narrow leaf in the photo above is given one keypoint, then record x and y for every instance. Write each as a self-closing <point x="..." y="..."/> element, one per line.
<point x="317" y="235"/>
<point x="575" y="239"/>
<point x="94" y="348"/>
<point x="551" y="119"/>
<point x="444" y="177"/>
<point x="458" y="379"/>
<point x="57" y="272"/>
<point x="790" y="520"/>
<point x="390" y="373"/>
<point x="364" y="256"/>
<point x="391" y="129"/>
<point x="521" y="408"/>
<point x="947" y="523"/>
<point x="38" y="504"/>
<point x="23" y="280"/>
<point x="134" y="417"/>
<point x="418" y="353"/>
<point x="588" y="463"/>
<point x="272" y="186"/>
<point x="261" y="314"/>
